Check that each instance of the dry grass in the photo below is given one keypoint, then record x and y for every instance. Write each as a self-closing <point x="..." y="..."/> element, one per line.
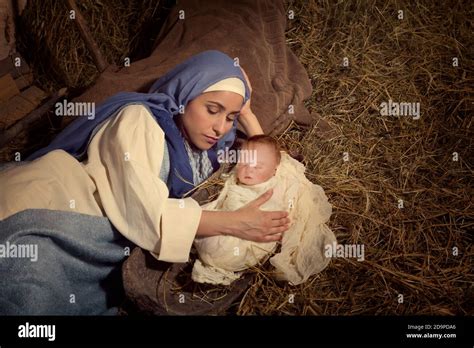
<point x="408" y="251"/>
<point x="60" y="56"/>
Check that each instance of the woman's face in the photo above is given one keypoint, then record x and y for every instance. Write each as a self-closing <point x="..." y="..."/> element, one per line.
<point x="208" y="117"/>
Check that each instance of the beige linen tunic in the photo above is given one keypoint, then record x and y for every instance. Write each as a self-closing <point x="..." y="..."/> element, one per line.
<point x="119" y="180"/>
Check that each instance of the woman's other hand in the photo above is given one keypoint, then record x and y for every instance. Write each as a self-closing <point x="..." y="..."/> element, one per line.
<point x="247" y="118"/>
<point x="258" y="225"/>
<point x="247" y="80"/>
<point x="248" y="222"/>
<point x="246" y="108"/>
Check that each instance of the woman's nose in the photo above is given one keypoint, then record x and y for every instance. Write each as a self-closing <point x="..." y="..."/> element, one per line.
<point x="219" y="125"/>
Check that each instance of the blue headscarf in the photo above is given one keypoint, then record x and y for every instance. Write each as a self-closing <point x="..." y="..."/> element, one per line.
<point x="176" y="88"/>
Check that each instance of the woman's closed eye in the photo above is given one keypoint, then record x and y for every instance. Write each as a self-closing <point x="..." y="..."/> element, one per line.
<point x="212" y="110"/>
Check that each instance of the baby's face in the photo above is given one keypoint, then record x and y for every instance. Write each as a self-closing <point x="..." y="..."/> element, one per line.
<point x="262" y="168"/>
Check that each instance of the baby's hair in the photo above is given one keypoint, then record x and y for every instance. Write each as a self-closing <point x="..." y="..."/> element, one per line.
<point x="268" y="140"/>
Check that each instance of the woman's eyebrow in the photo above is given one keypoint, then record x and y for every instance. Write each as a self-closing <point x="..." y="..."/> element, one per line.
<point x="222" y="107"/>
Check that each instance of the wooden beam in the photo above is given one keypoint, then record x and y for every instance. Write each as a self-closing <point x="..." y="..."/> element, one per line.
<point x="8" y="88"/>
<point x="99" y="60"/>
<point x="20" y="105"/>
<point x="34" y="95"/>
<point x="24" y="123"/>
<point x="24" y="81"/>
<point x="7" y="66"/>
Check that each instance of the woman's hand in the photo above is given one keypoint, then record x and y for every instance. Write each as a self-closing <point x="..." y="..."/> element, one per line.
<point x="246" y="108"/>
<point x="258" y="225"/>
<point x="247" y="118"/>
<point x="248" y="222"/>
<point x="247" y="80"/>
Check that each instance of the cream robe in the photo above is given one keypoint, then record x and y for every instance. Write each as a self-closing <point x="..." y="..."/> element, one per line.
<point x="119" y="180"/>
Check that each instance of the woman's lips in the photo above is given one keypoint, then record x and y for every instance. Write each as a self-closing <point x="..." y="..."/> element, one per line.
<point x="211" y="140"/>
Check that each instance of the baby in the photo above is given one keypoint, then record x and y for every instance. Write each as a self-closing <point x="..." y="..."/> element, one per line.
<point x="302" y="254"/>
<point x="222" y="256"/>
<point x="266" y="155"/>
<point x="255" y="173"/>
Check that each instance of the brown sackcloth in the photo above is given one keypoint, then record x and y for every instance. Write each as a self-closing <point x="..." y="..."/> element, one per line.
<point x="251" y="30"/>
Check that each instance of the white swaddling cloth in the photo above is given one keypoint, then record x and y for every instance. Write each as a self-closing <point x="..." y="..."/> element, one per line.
<point x="223" y="258"/>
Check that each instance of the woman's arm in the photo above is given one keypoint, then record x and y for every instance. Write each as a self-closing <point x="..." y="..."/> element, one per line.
<point x="124" y="159"/>
<point x="249" y="121"/>
<point x="248" y="222"/>
<point x="247" y="118"/>
<point x="215" y="223"/>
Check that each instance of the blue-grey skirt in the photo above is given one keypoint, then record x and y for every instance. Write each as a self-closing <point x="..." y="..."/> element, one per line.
<point x="60" y="263"/>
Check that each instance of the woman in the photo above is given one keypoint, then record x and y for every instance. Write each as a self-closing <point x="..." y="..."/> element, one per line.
<point x="125" y="174"/>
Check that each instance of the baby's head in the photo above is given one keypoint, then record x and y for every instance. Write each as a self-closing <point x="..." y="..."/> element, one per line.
<point x="261" y="163"/>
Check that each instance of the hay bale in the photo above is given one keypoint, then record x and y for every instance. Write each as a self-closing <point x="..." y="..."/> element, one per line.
<point x="50" y="40"/>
